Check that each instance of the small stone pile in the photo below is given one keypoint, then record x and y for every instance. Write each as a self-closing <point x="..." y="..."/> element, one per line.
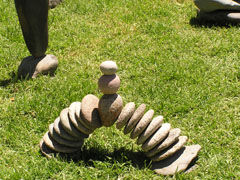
<point x="163" y="145"/>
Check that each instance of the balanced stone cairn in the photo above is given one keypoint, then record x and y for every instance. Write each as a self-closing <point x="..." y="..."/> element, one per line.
<point x="163" y="145"/>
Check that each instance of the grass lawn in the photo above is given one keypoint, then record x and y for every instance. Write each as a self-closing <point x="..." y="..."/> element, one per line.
<point x="186" y="72"/>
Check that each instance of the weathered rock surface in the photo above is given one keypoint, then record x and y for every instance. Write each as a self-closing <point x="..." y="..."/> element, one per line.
<point x="178" y="162"/>
<point x="108" y="67"/>
<point x="109" y="108"/>
<point x="89" y="112"/>
<point x="169" y="140"/>
<point x="152" y="127"/>
<point x="171" y="149"/>
<point x="142" y="124"/>
<point x="31" y="67"/>
<point x="156" y="138"/>
<point x="125" y="115"/>
<point x="109" y="84"/>
<point x="137" y="115"/>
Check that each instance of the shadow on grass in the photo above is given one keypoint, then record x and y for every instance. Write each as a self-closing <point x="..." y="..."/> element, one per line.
<point x="13" y="79"/>
<point x="196" y="22"/>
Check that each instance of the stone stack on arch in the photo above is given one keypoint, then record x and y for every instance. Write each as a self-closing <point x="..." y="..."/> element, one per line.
<point x="161" y="143"/>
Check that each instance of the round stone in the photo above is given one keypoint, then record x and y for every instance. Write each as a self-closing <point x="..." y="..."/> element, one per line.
<point x="31" y="66"/>
<point x="89" y="112"/>
<point x="46" y="151"/>
<point x="73" y="118"/>
<point x="54" y="145"/>
<point x="137" y="115"/>
<point x="63" y="141"/>
<point x="62" y="132"/>
<point x="171" y="149"/>
<point x="125" y="115"/>
<point x="108" y="67"/>
<point x="168" y="141"/>
<point x="68" y="126"/>
<point x="109" y="84"/>
<point x="142" y="124"/>
<point x="177" y="162"/>
<point x="152" y="127"/>
<point x="156" y="138"/>
<point x="109" y="108"/>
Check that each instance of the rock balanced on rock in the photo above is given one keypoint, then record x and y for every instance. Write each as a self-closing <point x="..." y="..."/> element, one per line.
<point x="163" y="145"/>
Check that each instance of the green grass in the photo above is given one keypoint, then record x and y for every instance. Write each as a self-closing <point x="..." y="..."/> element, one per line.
<point x="188" y="73"/>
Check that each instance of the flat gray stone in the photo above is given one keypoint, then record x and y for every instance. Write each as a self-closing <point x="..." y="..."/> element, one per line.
<point x="109" y="108"/>
<point x="63" y="141"/>
<point x="89" y="112"/>
<point x="156" y="138"/>
<point x="68" y="126"/>
<point x="55" y="146"/>
<point x="125" y="115"/>
<point x="73" y="118"/>
<point x="142" y="124"/>
<point x="137" y="115"/>
<point x="46" y="151"/>
<point x="31" y="67"/>
<point x="62" y="132"/>
<point x="171" y="149"/>
<point x="168" y="141"/>
<point x="178" y="162"/>
<point x="108" y="67"/>
<point x="152" y="127"/>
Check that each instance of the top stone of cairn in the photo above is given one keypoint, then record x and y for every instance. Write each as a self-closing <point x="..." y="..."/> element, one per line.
<point x="108" y="67"/>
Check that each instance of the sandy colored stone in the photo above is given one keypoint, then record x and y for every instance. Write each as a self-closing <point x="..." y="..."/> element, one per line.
<point x="108" y="67"/>
<point x="125" y="115"/>
<point x="75" y="121"/>
<point x="109" y="108"/>
<point x="31" y="67"/>
<point x="152" y="127"/>
<point x="78" y="106"/>
<point x="171" y="149"/>
<point x="62" y="132"/>
<point x="142" y="124"/>
<point x="156" y="138"/>
<point x="177" y="162"/>
<point x="54" y="145"/>
<point x="168" y="141"/>
<point x="109" y="84"/>
<point x="63" y="141"/>
<point x="46" y="151"/>
<point x="89" y="112"/>
<point x="137" y="115"/>
<point x="68" y="126"/>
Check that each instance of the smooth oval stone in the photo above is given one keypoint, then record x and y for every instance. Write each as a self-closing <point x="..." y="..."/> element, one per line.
<point x="137" y="115"/>
<point x="152" y="127"/>
<point x="156" y="138"/>
<point x="54" y="145"/>
<point x="177" y="162"/>
<point x="125" y="115"/>
<point x="63" y="141"/>
<point x="68" y="126"/>
<point x="62" y="132"/>
<point x="109" y="84"/>
<point x="46" y="151"/>
<point x="108" y="67"/>
<point x="171" y="149"/>
<point x="109" y="108"/>
<point x="89" y="111"/>
<point x="142" y="124"/>
<point x="168" y="141"/>
<point x="78" y="109"/>
<point x="75" y="121"/>
<point x="31" y="67"/>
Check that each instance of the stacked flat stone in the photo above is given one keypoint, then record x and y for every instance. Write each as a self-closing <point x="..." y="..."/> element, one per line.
<point x="110" y="104"/>
<point x="75" y="123"/>
<point x="163" y="145"/>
